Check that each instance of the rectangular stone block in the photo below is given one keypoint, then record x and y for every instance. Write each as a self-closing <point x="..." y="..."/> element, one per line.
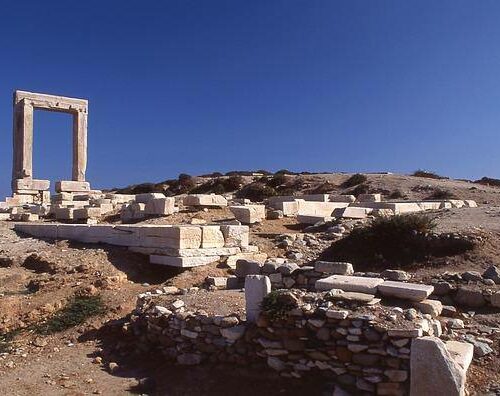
<point x="352" y="213"/>
<point x="62" y="196"/>
<point x="209" y="200"/>
<point x="212" y="237"/>
<point x="256" y="288"/>
<point x="4" y="216"/>
<point x="72" y="186"/>
<point x="160" y="206"/>
<point x="332" y="267"/>
<point x="106" y="208"/>
<point x="319" y="208"/>
<point x="369" y="198"/>
<point x="259" y="257"/>
<point x="249" y="214"/>
<point x="406" y="291"/>
<point x="64" y="213"/>
<point x="183" y="262"/>
<point x="342" y="198"/>
<point x="31" y="184"/>
<point x="235" y="235"/>
<point x="224" y="251"/>
<point x="87" y="213"/>
<point x="349" y="284"/>
<point x="146" y="197"/>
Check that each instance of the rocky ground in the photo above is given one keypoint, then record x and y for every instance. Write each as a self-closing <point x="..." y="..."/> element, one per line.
<point x="38" y="278"/>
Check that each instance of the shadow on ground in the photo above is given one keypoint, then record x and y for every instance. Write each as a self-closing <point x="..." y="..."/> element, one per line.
<point x="157" y="376"/>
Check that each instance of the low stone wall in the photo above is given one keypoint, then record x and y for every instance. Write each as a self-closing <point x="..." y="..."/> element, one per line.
<point x="173" y="245"/>
<point x="357" y="347"/>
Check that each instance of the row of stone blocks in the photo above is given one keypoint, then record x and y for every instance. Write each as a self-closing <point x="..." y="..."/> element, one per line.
<point x="172" y="245"/>
<point x="310" y="209"/>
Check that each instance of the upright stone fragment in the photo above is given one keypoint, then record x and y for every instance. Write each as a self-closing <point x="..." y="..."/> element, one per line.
<point x="434" y="371"/>
<point x="256" y="288"/>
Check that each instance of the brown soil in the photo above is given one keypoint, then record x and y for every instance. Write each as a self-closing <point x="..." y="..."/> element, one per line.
<point x="38" y="277"/>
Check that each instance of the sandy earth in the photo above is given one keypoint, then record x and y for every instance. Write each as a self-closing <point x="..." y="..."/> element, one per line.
<point x="63" y="364"/>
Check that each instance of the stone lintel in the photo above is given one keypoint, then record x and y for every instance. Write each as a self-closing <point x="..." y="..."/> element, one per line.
<point x="51" y="102"/>
<point x="72" y="186"/>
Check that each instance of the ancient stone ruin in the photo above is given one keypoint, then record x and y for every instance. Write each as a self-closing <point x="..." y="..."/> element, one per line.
<point x="373" y="333"/>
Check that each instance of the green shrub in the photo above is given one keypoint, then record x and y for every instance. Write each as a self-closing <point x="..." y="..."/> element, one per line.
<point x="323" y="188"/>
<point x="397" y="194"/>
<point x="278" y="180"/>
<point x="428" y="175"/>
<point x="439" y="193"/>
<point x="488" y="181"/>
<point x="354" y="180"/>
<point x="76" y="312"/>
<point x="256" y="192"/>
<point x="278" y="303"/>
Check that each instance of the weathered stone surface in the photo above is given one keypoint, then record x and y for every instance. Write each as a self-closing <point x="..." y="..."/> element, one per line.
<point x="431" y="307"/>
<point x="369" y="198"/>
<point x="224" y="251"/>
<point x="349" y="283"/>
<point x="249" y="214"/>
<point x="235" y="235"/>
<point x="493" y="273"/>
<point x="495" y="300"/>
<point x="146" y="197"/>
<point x="212" y="237"/>
<point x="341" y="198"/>
<point x="72" y="186"/>
<point x="182" y="262"/>
<point x="160" y="206"/>
<point x="331" y="267"/>
<point x="405" y="291"/>
<point x="256" y="288"/>
<point x="24" y="104"/>
<point x="363" y="298"/>
<point x="395" y="275"/>
<point x="352" y="212"/>
<point x="247" y="267"/>
<point x="31" y="184"/>
<point x="432" y="364"/>
<point x="470" y="297"/>
<point x="405" y="333"/>
<point x="259" y="257"/>
<point x="461" y="353"/>
<point x="210" y="200"/>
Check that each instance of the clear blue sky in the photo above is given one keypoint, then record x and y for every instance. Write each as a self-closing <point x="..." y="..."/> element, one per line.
<point x="198" y="86"/>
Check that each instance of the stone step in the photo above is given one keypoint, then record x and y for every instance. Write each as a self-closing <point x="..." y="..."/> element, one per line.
<point x="349" y="284"/>
<point x="405" y="291"/>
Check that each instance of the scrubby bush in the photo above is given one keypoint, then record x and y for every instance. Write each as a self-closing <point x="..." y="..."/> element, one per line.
<point x="256" y="192"/>
<point x="277" y="180"/>
<point x="488" y="181"/>
<point x="278" y="303"/>
<point x="428" y="175"/>
<point x="354" y="180"/>
<point x="397" y="194"/>
<point x="389" y="242"/>
<point x="360" y="189"/>
<point x="76" y="312"/>
<point x="233" y="183"/>
<point x="440" y="193"/>
<point x="323" y="188"/>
